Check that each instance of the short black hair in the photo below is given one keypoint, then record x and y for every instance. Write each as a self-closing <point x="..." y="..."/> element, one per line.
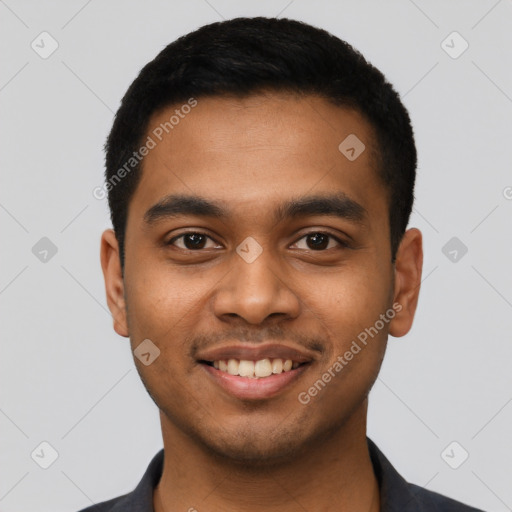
<point x="245" y="56"/>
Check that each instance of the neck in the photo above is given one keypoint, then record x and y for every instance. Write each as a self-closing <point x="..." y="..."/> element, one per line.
<point x="335" y="472"/>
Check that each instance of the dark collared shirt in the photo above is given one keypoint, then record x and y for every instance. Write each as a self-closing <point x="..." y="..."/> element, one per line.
<point x="396" y="495"/>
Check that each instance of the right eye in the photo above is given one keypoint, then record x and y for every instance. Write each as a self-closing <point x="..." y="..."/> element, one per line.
<point x="192" y="241"/>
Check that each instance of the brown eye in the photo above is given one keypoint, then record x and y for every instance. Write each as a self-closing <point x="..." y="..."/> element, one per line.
<point x="192" y="241"/>
<point x="318" y="241"/>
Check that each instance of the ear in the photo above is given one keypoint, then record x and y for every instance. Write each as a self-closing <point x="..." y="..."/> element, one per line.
<point x="408" y="267"/>
<point x="114" y="283"/>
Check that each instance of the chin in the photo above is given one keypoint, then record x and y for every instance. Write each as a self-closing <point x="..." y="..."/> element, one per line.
<point x="255" y="449"/>
<point x="252" y="455"/>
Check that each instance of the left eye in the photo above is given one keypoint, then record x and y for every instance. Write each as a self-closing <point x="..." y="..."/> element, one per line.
<point x="318" y="242"/>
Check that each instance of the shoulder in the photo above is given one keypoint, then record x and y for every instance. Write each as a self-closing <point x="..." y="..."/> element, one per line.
<point x="141" y="498"/>
<point x="112" y="505"/>
<point x="398" y="495"/>
<point x="434" y="501"/>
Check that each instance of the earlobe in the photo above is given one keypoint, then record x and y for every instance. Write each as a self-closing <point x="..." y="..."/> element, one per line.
<point x="114" y="283"/>
<point x="408" y="268"/>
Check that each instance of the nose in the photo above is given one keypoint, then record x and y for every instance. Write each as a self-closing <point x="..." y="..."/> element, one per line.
<point x="255" y="291"/>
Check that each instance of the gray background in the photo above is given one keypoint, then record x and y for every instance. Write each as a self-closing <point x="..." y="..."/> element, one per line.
<point x="69" y="380"/>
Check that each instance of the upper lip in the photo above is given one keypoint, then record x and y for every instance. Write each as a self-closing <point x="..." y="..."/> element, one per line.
<point x="256" y="353"/>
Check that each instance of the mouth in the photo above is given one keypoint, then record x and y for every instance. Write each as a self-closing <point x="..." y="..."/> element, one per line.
<point x="261" y="369"/>
<point x="254" y="380"/>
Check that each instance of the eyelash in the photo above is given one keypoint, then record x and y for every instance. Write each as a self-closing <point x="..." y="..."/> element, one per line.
<point x="341" y="243"/>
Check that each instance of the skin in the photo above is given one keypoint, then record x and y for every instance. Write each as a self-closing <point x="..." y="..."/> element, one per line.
<point x="251" y="155"/>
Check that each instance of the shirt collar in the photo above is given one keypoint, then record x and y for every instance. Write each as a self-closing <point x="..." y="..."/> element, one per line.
<point x="396" y="494"/>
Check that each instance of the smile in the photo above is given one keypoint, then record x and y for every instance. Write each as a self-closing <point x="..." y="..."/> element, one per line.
<point x="254" y="380"/>
<point x="254" y="369"/>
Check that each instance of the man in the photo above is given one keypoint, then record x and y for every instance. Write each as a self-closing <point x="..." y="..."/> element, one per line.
<point x="260" y="176"/>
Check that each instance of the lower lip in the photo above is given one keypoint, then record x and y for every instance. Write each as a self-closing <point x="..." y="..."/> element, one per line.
<point x="246" y="388"/>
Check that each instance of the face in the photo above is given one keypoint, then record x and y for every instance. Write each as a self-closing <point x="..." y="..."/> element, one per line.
<point x="252" y="237"/>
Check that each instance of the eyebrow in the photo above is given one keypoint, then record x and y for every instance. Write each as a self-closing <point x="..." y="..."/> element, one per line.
<point x="336" y="205"/>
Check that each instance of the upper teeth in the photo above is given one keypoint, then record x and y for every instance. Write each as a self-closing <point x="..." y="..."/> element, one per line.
<point x="261" y="368"/>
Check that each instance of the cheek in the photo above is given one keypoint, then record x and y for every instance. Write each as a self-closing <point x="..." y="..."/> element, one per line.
<point x="160" y="298"/>
<point x="162" y="308"/>
<point x="167" y="308"/>
<point x="348" y="308"/>
<point x="349" y="305"/>
<point x="350" y="299"/>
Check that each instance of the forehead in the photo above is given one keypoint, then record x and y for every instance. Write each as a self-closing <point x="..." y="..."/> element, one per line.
<point x="249" y="151"/>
